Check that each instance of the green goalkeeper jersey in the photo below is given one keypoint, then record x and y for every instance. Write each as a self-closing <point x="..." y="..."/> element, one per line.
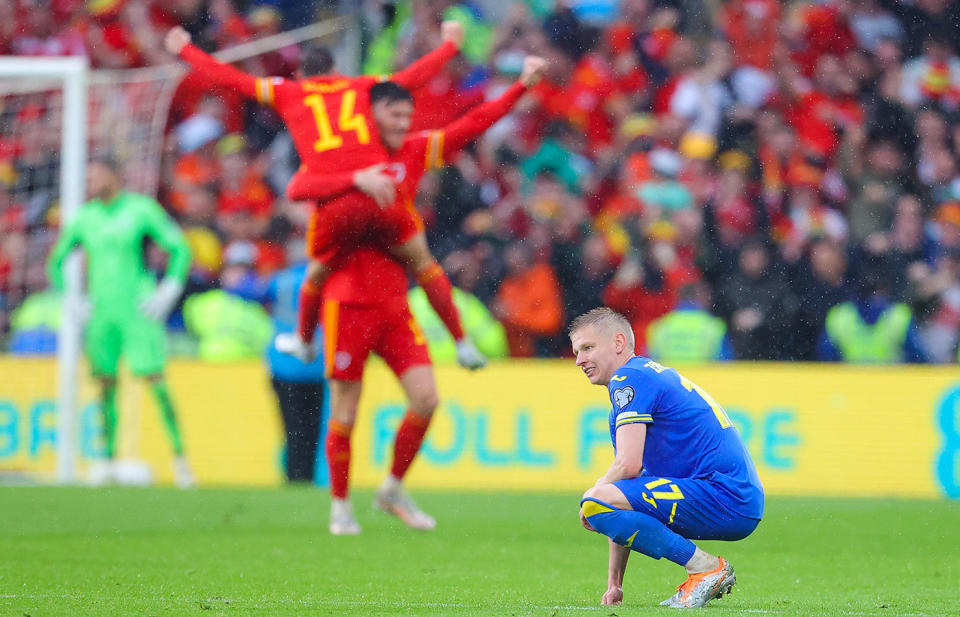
<point x="111" y="235"/>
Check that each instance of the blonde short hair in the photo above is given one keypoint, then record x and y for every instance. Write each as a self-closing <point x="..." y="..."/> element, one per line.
<point x="607" y="320"/>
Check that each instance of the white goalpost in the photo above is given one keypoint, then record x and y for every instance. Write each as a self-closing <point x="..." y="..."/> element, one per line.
<point x="58" y="112"/>
<point x="73" y="74"/>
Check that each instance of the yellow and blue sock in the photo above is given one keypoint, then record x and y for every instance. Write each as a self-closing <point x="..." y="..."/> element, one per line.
<point x="637" y="531"/>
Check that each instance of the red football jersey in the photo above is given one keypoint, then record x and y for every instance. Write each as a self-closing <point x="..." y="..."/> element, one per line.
<point x="364" y="245"/>
<point x="329" y="117"/>
<point x="420" y="152"/>
<point x="369" y="275"/>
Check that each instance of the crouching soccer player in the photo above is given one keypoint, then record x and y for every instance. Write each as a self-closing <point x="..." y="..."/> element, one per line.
<point x="680" y="470"/>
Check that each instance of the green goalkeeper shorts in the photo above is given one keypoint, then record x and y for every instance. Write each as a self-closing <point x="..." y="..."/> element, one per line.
<point x="141" y="341"/>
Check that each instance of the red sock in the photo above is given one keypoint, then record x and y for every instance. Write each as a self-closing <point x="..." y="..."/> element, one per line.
<point x="409" y="437"/>
<point x="338" y="458"/>
<point x="308" y="310"/>
<point x="440" y="293"/>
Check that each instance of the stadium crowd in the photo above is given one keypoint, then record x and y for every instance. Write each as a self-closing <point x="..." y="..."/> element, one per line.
<point x="772" y="180"/>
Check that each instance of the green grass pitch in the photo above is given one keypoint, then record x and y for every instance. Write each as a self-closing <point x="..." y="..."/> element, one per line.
<point x="162" y="552"/>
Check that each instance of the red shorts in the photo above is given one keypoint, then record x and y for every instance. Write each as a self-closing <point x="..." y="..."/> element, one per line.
<point x="351" y="332"/>
<point x="349" y="223"/>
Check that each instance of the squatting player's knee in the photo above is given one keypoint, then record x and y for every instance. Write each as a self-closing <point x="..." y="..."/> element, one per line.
<point x="609" y="494"/>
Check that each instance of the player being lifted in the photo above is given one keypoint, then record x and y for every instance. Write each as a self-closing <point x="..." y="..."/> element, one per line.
<point x="348" y="223"/>
<point x="365" y="300"/>
<point x="327" y="115"/>
<point x="126" y="307"/>
<point x="680" y="470"/>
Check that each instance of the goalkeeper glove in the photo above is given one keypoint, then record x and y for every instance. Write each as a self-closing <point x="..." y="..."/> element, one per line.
<point x="162" y="300"/>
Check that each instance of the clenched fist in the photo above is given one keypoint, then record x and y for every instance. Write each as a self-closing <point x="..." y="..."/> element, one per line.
<point x="533" y="67"/>
<point x="177" y="38"/>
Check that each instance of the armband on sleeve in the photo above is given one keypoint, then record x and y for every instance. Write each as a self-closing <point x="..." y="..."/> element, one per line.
<point x="632" y="417"/>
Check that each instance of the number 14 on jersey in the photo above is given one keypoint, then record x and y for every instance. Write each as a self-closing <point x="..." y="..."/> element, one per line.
<point x="347" y="121"/>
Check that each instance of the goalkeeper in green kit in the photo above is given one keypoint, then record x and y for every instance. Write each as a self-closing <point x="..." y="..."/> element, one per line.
<point x="127" y="308"/>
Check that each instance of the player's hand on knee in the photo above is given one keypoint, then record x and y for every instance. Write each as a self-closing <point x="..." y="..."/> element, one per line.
<point x="533" y="68"/>
<point x="375" y="182"/>
<point x="586" y="524"/>
<point x="177" y="38"/>
<point x="613" y="595"/>
<point x="452" y="31"/>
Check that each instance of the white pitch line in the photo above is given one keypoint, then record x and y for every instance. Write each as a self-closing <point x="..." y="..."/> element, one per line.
<point x="307" y="602"/>
<point x="374" y="604"/>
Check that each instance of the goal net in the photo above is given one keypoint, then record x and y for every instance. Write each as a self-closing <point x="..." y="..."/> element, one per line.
<point x="55" y="114"/>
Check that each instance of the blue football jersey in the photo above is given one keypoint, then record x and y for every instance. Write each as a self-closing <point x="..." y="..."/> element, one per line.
<point x="688" y="434"/>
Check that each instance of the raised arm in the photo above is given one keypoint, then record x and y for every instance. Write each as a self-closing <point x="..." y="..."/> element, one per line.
<point x="446" y="142"/>
<point x="218" y="73"/>
<point x="429" y="66"/>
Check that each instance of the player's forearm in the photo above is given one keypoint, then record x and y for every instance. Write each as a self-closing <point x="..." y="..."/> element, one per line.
<point x="178" y="266"/>
<point x="617" y="564"/>
<point x="426" y="68"/>
<point x="218" y="72"/>
<point x="312" y="186"/>
<point x="479" y="119"/>
<point x="620" y="469"/>
<point x="168" y="236"/>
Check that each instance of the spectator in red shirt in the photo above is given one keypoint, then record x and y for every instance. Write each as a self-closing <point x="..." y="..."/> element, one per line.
<point x="819" y="113"/>
<point x="109" y="36"/>
<point x="752" y="27"/>
<point x="241" y="180"/>
<point x="815" y="30"/>
<point x="41" y="37"/>
<point x="578" y="92"/>
<point x="640" y="291"/>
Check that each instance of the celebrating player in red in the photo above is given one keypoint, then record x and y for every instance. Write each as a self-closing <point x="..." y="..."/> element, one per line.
<point x="365" y="299"/>
<point x="308" y="107"/>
